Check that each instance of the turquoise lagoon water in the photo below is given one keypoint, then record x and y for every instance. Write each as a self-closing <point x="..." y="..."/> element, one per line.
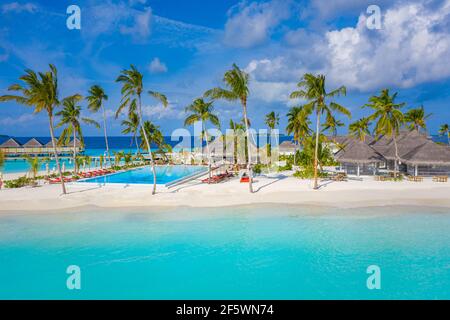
<point x="270" y="252"/>
<point x="164" y="174"/>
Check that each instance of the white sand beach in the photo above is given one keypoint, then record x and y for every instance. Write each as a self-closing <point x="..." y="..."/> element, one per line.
<point x="284" y="190"/>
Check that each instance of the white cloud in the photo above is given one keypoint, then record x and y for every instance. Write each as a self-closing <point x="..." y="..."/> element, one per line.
<point x="158" y="111"/>
<point x="18" y="7"/>
<point x="24" y="118"/>
<point x="413" y="47"/>
<point x="251" y="24"/>
<point x="141" y="27"/>
<point x="108" y="17"/>
<point x="156" y="66"/>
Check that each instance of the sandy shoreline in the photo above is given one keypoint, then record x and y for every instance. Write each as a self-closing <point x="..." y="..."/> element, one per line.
<point x="286" y="190"/>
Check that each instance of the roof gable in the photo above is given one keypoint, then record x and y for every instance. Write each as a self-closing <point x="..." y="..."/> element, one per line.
<point x="10" y="143"/>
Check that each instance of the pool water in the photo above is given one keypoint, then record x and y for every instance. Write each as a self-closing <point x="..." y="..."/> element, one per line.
<point x="270" y="252"/>
<point x="164" y="175"/>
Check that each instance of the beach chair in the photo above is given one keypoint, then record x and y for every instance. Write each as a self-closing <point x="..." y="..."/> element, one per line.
<point x="440" y="179"/>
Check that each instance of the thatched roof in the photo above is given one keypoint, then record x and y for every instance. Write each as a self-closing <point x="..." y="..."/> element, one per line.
<point x="287" y="146"/>
<point x="405" y="143"/>
<point x="428" y="153"/>
<point x="10" y="143"/>
<point x="32" y="143"/>
<point x="220" y="147"/>
<point x="357" y="151"/>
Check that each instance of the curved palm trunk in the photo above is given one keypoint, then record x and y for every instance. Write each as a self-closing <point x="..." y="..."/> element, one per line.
<point x="106" y="135"/>
<point x="58" y="166"/>
<point x="249" y="166"/>
<point x="316" y="152"/>
<point x="448" y="138"/>
<point x="148" y="146"/>
<point x="75" y="167"/>
<point x="209" y="153"/>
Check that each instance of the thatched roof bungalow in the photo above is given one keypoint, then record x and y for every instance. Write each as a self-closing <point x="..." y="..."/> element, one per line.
<point x="287" y="148"/>
<point x="357" y="157"/>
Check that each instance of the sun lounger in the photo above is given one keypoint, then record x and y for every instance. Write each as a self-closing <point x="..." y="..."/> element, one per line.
<point x="440" y="179"/>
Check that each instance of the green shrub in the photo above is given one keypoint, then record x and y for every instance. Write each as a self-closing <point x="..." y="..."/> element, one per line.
<point x="308" y="173"/>
<point x="18" y="183"/>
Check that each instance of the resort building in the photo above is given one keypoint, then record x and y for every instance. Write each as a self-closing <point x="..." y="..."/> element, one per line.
<point x="415" y="153"/>
<point x="358" y="158"/>
<point x="16" y="147"/>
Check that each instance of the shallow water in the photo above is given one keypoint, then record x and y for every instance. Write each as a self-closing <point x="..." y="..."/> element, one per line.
<point x="269" y="252"/>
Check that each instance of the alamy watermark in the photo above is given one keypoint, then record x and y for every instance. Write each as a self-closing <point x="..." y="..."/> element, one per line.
<point x="73" y="21"/>
<point x="373" y="21"/>
<point x="374" y="280"/>
<point x="73" y="281"/>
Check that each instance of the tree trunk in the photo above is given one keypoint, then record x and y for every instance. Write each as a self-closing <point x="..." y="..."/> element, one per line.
<point x="137" y="144"/>
<point x="396" y="156"/>
<point x="106" y="136"/>
<point x="55" y="151"/>
<point x="249" y="166"/>
<point x="448" y="138"/>
<point x="148" y="146"/>
<point x="316" y="152"/>
<point x="74" y="150"/>
<point x="209" y="153"/>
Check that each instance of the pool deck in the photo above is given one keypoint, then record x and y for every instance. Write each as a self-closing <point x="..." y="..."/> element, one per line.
<point x="282" y="190"/>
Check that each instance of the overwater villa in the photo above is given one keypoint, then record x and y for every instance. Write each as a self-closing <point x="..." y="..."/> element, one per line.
<point x="417" y="155"/>
<point x="17" y="147"/>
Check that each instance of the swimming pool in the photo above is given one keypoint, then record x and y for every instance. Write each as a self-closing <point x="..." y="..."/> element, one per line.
<point x="253" y="252"/>
<point x="164" y="175"/>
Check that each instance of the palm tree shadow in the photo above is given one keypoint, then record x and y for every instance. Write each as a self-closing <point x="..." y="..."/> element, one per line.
<point x="275" y="180"/>
<point x="85" y="190"/>
<point x="327" y="182"/>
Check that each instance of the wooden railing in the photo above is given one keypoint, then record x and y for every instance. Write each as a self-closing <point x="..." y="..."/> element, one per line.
<point x="43" y="150"/>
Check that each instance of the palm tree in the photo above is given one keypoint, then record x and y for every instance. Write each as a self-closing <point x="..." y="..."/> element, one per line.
<point x="2" y="159"/>
<point x="95" y="100"/>
<point x="236" y="81"/>
<point x="332" y="124"/>
<point x="298" y="125"/>
<point x="312" y="88"/>
<point x="71" y="118"/>
<point x="132" y="88"/>
<point x="415" y="118"/>
<point x="360" y="129"/>
<point x="34" y="163"/>
<point x="272" y="120"/>
<point x="155" y="136"/>
<point x="445" y="130"/>
<point x="236" y="127"/>
<point x="131" y="125"/>
<point x="40" y="90"/>
<point x="203" y="111"/>
<point x="389" y="118"/>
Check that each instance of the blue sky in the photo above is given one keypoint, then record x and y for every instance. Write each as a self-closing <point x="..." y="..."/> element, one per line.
<point x="184" y="47"/>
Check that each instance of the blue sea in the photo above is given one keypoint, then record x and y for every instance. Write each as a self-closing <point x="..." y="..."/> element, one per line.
<point x="266" y="252"/>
